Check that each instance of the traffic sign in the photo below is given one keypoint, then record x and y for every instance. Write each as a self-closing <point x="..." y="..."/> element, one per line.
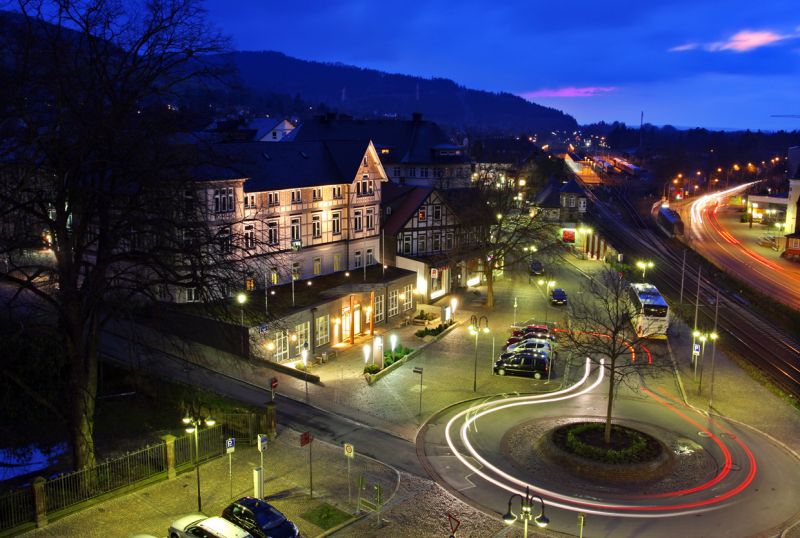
<point x="305" y="438"/>
<point x="273" y="383"/>
<point x="696" y="350"/>
<point x="262" y="442"/>
<point x="417" y="370"/>
<point x="262" y="328"/>
<point x="230" y="445"/>
<point x="349" y="450"/>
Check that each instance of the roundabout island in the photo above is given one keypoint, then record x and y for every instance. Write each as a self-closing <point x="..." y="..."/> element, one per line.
<point x="684" y="473"/>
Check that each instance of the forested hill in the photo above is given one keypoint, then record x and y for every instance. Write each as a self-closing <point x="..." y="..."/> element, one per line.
<point x="367" y="92"/>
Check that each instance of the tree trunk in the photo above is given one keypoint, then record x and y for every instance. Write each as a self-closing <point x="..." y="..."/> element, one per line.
<point x="607" y="430"/>
<point x="489" y="288"/>
<point x="82" y="350"/>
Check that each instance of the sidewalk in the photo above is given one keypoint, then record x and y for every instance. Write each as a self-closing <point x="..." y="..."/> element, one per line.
<point x="152" y="509"/>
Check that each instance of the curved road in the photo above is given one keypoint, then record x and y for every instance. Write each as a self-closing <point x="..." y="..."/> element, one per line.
<point x="747" y="486"/>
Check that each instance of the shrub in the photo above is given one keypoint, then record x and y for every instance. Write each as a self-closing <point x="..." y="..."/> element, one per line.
<point x="387" y="361"/>
<point x="631" y="446"/>
<point x="372" y="369"/>
<point x="427" y="316"/>
<point x="421" y="333"/>
<point x="300" y="366"/>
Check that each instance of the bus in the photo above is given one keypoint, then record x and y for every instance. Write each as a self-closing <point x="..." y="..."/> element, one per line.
<point x="651" y="313"/>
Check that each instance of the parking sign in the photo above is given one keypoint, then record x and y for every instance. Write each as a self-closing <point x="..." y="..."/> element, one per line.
<point x="230" y="445"/>
<point x="696" y="350"/>
<point x="262" y="442"/>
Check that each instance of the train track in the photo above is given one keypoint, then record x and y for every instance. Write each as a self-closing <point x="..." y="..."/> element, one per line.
<point x="763" y="345"/>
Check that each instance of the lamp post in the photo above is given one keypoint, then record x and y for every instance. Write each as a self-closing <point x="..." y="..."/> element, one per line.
<point x="193" y="426"/>
<point x="475" y="327"/>
<point x="644" y="266"/>
<point x="714" y="337"/>
<point x="515" y="311"/>
<point x="526" y="515"/>
<point x="241" y="299"/>
<point x="304" y="357"/>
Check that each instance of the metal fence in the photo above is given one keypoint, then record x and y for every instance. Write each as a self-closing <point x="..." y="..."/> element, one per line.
<point x="18" y="507"/>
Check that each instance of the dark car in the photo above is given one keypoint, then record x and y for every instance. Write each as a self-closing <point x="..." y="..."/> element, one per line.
<point x="558" y="296"/>
<point x="537" y="268"/>
<point x="536" y="365"/>
<point x="260" y="518"/>
<point x="534" y="331"/>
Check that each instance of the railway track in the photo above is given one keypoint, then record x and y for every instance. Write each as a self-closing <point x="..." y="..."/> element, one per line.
<point x="765" y="346"/>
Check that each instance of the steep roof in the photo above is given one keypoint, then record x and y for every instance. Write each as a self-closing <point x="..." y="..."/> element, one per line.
<point x="270" y="165"/>
<point x="414" y="141"/>
<point x="263" y="126"/>
<point x="549" y="196"/>
<point x="572" y="186"/>
<point x="405" y="206"/>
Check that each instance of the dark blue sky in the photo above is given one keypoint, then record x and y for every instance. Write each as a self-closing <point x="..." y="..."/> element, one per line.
<point x="719" y="64"/>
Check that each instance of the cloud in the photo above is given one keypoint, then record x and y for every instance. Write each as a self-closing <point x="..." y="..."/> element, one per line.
<point x="742" y="41"/>
<point x="684" y="47"/>
<point x="568" y="91"/>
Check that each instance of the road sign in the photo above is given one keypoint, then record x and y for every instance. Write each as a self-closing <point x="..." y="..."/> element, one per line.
<point x="696" y="350"/>
<point x="262" y="329"/>
<point x="349" y="450"/>
<point x="230" y="445"/>
<point x="273" y="383"/>
<point x="262" y="442"/>
<point x="417" y="370"/>
<point x="305" y="438"/>
<point x="454" y="524"/>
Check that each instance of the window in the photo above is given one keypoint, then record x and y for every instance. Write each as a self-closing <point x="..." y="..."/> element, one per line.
<point x="396" y="171"/>
<point x="223" y="200"/>
<point x="272" y="232"/>
<point x="188" y="204"/>
<point x="379" y="308"/>
<point x="281" y="345"/>
<point x="187" y="238"/>
<point x="249" y="201"/>
<point x="357" y="258"/>
<point x="370" y="257"/>
<point x="423" y="172"/>
<point x="572" y="201"/>
<point x="323" y="330"/>
<point x="316" y="194"/>
<point x="337" y="191"/>
<point x="250" y="284"/>
<point x="296" y="270"/>
<point x="421" y="244"/>
<point x="449" y="242"/>
<point x="365" y="163"/>
<point x="303" y="336"/>
<point x="421" y="216"/>
<point x="393" y="305"/>
<point x="296" y="229"/>
<point x="273" y="199"/>
<point x="370" y="218"/>
<point x="437" y="242"/>
<point x="317" y="266"/>
<point x="337" y="262"/>
<point x="274" y="135"/>
<point x="296" y="196"/>
<point x="191" y="295"/>
<point x="224" y="238"/>
<point x="364" y="186"/>
<point x="438" y="172"/>
<point x="336" y="222"/>
<point x="582" y="204"/>
<point x="406" y="244"/>
<point x="249" y="237"/>
<point x="437" y="212"/>
<point x="357" y="220"/>
<point x="408" y="293"/>
<point x="273" y="276"/>
<point x="316" y="225"/>
<point x="412" y="172"/>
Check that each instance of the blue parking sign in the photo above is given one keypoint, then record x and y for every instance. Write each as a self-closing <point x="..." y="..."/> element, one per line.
<point x="230" y="445"/>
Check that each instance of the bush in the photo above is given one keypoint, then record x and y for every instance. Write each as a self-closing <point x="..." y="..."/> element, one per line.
<point x="427" y="316"/>
<point x="388" y="360"/>
<point x="427" y="331"/>
<point x="372" y="369"/>
<point x="300" y="366"/>
<point x="629" y="446"/>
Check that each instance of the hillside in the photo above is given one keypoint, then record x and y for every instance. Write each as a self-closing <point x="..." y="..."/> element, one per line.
<point x="367" y="92"/>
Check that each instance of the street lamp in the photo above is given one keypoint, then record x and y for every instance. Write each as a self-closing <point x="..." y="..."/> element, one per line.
<point x="704" y="337"/>
<point x="241" y="299"/>
<point x="644" y="266"/>
<point x="477" y="325"/>
<point x="526" y="505"/>
<point x="193" y="426"/>
<point x="304" y="357"/>
<point x="714" y="337"/>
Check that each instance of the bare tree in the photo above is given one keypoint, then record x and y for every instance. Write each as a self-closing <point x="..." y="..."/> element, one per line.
<point x="601" y="321"/>
<point x="97" y="210"/>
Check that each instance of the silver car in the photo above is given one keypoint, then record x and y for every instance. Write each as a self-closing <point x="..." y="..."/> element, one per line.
<point x="201" y="526"/>
<point x="532" y="345"/>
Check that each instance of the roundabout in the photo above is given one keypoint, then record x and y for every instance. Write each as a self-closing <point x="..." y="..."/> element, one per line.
<point x="714" y="478"/>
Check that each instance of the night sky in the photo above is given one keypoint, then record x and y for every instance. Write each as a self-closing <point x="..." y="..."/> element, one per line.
<point x="715" y="64"/>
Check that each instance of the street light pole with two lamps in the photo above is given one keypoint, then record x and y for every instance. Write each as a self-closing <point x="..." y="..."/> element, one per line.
<point x="644" y="266"/>
<point x="526" y="515"/>
<point x="477" y="325"/>
<point x="193" y="426"/>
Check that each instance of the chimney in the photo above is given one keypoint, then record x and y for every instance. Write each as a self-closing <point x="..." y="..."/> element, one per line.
<point x="416" y="117"/>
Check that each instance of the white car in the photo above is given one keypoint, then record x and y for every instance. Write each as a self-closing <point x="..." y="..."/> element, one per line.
<point x="531" y="344"/>
<point x="201" y="526"/>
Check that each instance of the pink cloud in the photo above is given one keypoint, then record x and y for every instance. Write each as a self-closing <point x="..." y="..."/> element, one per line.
<point x="747" y="40"/>
<point x="568" y="91"/>
<point x="684" y="47"/>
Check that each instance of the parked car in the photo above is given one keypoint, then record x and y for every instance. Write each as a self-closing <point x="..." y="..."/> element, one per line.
<point x="198" y="525"/>
<point x="260" y="518"/>
<point x="558" y="296"/>
<point x="531" y="344"/>
<point x="542" y="331"/>
<point x="536" y="365"/>
<point x="537" y="268"/>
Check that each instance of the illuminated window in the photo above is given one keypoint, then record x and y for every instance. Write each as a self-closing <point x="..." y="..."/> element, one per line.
<point x="317" y="266"/>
